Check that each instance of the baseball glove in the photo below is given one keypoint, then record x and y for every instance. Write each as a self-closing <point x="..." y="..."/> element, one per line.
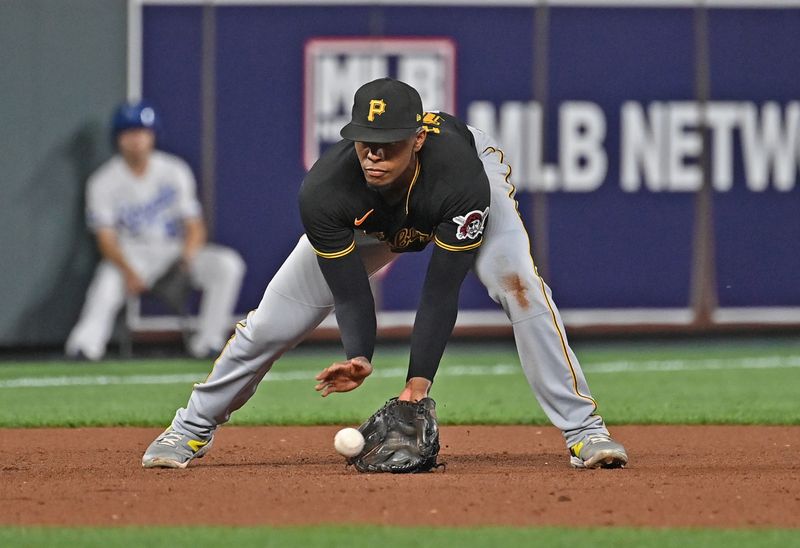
<point x="400" y="437"/>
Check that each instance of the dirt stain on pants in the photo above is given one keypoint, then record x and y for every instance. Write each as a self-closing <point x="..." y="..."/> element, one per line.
<point x="513" y="284"/>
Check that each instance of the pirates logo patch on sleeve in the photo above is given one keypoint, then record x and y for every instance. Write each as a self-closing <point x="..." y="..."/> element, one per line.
<point x="470" y="226"/>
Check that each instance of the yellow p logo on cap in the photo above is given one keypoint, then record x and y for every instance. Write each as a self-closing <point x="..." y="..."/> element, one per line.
<point x="376" y="108"/>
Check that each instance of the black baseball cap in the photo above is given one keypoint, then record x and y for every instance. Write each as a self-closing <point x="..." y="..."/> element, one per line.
<point x="384" y="111"/>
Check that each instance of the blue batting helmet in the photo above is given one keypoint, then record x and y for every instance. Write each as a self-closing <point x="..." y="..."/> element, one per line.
<point x="135" y="114"/>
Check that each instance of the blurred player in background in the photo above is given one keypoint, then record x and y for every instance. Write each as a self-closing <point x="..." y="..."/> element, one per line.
<point x="399" y="180"/>
<point x="142" y="206"/>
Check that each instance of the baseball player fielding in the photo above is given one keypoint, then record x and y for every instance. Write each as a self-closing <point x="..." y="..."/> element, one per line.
<point x="401" y="179"/>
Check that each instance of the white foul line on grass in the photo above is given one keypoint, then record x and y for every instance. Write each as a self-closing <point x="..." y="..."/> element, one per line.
<point x="622" y="366"/>
<point x="708" y="364"/>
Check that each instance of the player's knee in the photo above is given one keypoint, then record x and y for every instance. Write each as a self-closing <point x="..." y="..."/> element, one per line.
<point x="230" y="264"/>
<point x="516" y="292"/>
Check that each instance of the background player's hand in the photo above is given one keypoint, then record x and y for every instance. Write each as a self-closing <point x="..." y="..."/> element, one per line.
<point x="185" y="263"/>
<point x="134" y="284"/>
<point x="343" y="376"/>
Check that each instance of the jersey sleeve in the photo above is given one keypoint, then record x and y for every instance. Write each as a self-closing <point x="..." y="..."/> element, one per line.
<point x="188" y="205"/>
<point x="465" y="211"/>
<point x="100" y="212"/>
<point x="323" y="220"/>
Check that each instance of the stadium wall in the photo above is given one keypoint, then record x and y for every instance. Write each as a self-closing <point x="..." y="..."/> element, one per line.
<point x="655" y="144"/>
<point x="62" y="69"/>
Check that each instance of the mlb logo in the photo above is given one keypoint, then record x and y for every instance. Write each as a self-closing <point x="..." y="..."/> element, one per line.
<point x="336" y="67"/>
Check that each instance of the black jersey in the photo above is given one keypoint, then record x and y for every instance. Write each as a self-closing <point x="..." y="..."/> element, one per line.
<point x="447" y="201"/>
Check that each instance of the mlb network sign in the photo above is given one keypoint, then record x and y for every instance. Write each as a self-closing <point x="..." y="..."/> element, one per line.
<point x="660" y="144"/>
<point x="336" y="67"/>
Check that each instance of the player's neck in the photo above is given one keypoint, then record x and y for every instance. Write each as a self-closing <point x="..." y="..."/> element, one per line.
<point x="398" y="191"/>
<point x="137" y="165"/>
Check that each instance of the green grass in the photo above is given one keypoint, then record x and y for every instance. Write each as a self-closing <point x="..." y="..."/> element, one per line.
<point x="370" y="536"/>
<point x="669" y="383"/>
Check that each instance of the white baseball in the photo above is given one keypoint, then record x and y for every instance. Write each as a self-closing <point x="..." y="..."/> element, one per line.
<point x="348" y="442"/>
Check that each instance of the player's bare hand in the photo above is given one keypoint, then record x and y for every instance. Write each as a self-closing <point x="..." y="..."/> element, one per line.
<point x="343" y="376"/>
<point x="134" y="284"/>
<point x="416" y="389"/>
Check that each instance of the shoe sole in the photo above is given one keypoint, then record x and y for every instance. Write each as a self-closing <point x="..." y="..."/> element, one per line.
<point x="602" y="459"/>
<point x="160" y="462"/>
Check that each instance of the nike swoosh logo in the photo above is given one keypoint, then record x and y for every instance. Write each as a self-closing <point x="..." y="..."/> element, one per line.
<point x="358" y="222"/>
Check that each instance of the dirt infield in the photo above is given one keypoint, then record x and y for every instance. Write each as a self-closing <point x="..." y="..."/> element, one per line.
<point x="703" y="476"/>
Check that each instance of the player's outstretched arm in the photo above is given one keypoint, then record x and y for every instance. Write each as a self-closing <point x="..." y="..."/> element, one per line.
<point x="437" y="313"/>
<point x="353" y="302"/>
<point x="355" y="314"/>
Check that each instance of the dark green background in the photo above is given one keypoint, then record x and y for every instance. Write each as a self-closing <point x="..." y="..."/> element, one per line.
<point x="62" y="70"/>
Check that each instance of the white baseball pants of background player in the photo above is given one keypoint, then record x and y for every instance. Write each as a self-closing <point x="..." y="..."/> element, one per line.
<point x="298" y="299"/>
<point x="216" y="270"/>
